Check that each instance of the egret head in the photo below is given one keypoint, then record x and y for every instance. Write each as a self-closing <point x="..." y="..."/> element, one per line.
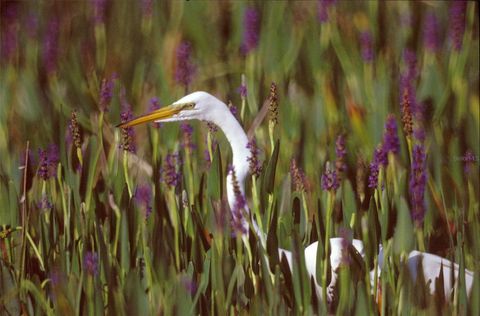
<point x="197" y="105"/>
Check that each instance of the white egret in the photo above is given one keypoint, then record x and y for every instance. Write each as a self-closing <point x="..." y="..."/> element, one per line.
<point x="431" y="266"/>
<point x="205" y="107"/>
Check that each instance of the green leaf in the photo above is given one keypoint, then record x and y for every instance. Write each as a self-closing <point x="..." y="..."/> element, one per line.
<point x="269" y="178"/>
<point x="404" y="235"/>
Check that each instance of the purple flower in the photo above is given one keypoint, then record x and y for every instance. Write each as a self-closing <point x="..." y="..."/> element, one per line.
<point x="189" y="285"/>
<point x="147" y="7"/>
<point x="346" y="235"/>
<point x="298" y="176"/>
<point x="143" y="198"/>
<point x="169" y="173"/>
<point x="73" y="134"/>
<point x="233" y="109"/>
<point x="185" y="69"/>
<point x="322" y="9"/>
<point x="9" y="31"/>
<point x="410" y="59"/>
<point x="238" y="220"/>
<point x="366" y="41"/>
<point x="419" y="134"/>
<point x="56" y="277"/>
<point x="457" y="23"/>
<point x="379" y="159"/>
<point x="154" y="104"/>
<point x="242" y="90"/>
<point x="407" y="118"/>
<point x="329" y="179"/>
<point x="469" y="159"/>
<point x="48" y="161"/>
<point x="418" y="180"/>
<point x="50" y="46"/>
<point x="44" y="204"/>
<point x="340" y="152"/>
<point x="128" y="133"/>
<point x="408" y="97"/>
<point x="253" y="161"/>
<point x="212" y="128"/>
<point x="187" y="131"/>
<point x="273" y="104"/>
<point x="99" y="8"/>
<point x="32" y="25"/>
<point x="206" y="156"/>
<point x="90" y="263"/>
<point x="430" y="32"/>
<point x="391" y="143"/>
<point x="106" y="92"/>
<point x="251" y="30"/>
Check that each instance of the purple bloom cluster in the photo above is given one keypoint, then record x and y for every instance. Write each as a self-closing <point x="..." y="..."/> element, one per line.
<point x="340" y="152"/>
<point x="366" y="41"/>
<point x="407" y="83"/>
<point x="185" y="69"/>
<point x="251" y="30"/>
<point x="56" y="277"/>
<point x="208" y="159"/>
<point x="340" y="149"/>
<point x="430" y="32"/>
<point x="418" y="180"/>
<point x="9" y="32"/>
<point x="346" y="235"/>
<point x="379" y="159"/>
<point x="143" y="197"/>
<point x="50" y="46"/>
<point x="238" y="220"/>
<point x="44" y="204"/>
<point x="31" y="25"/>
<point x="298" y="176"/>
<point x="147" y="7"/>
<point x="469" y="159"/>
<point x="189" y="285"/>
<point x="419" y="134"/>
<point x="233" y="109"/>
<point x="154" y="104"/>
<point x="128" y="133"/>
<point x="329" y="179"/>
<point x="410" y="59"/>
<point x="187" y="131"/>
<point x="322" y="9"/>
<point x="106" y="92"/>
<point x="212" y="128"/>
<point x="48" y="161"/>
<point x="254" y="162"/>
<point x="391" y="143"/>
<point x="169" y="173"/>
<point x="90" y="263"/>
<point x="73" y="132"/>
<point x="242" y="90"/>
<point x="99" y="8"/>
<point x="457" y="23"/>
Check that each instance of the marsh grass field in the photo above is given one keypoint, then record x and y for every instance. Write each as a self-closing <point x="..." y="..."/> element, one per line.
<point x="366" y="119"/>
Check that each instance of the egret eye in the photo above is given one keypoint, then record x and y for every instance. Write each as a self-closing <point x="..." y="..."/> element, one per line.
<point x="189" y="106"/>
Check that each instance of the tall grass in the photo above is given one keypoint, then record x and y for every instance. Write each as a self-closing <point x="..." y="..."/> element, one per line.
<point x="106" y="228"/>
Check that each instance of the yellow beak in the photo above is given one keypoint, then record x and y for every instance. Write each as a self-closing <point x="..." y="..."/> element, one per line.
<point x="163" y="113"/>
